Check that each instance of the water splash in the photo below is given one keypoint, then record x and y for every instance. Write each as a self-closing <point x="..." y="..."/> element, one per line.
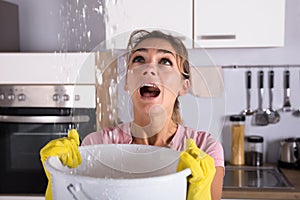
<point x="76" y="28"/>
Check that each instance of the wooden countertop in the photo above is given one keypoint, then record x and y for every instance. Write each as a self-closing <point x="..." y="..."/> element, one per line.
<point x="293" y="177"/>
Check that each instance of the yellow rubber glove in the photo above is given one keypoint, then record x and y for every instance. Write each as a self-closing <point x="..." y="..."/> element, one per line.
<point x="203" y="170"/>
<point x="66" y="149"/>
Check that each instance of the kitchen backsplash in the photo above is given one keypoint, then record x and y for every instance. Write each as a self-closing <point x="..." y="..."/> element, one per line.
<point x="235" y="102"/>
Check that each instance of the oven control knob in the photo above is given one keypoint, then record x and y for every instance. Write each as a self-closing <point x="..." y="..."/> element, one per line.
<point x="21" y="97"/>
<point x="2" y="97"/>
<point x="11" y="97"/>
<point x="66" y="97"/>
<point x="55" y="97"/>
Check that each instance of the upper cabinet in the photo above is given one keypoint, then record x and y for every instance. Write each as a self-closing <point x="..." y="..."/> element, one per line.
<point x="199" y="23"/>
<point x="123" y="16"/>
<point x="239" y="23"/>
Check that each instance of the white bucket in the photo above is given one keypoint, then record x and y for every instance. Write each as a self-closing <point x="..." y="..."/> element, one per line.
<point x="120" y="171"/>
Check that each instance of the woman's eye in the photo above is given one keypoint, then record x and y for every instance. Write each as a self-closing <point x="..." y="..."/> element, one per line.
<point x="138" y="59"/>
<point x="165" y="61"/>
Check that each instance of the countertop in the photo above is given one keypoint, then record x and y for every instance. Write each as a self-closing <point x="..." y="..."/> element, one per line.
<point x="293" y="176"/>
<point x="22" y="197"/>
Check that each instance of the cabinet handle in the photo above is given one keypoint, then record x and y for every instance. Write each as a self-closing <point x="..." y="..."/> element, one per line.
<point x="44" y="119"/>
<point x="216" y="37"/>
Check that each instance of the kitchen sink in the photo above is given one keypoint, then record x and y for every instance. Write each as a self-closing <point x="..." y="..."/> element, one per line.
<point x="247" y="177"/>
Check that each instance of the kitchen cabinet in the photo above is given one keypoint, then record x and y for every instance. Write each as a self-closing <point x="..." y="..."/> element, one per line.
<point x="122" y="17"/>
<point x="209" y="23"/>
<point x="236" y="23"/>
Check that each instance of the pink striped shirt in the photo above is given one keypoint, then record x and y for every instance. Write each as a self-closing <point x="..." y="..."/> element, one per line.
<point x="121" y="135"/>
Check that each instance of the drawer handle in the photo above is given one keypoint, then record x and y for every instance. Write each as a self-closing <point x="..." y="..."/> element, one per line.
<point x="216" y="37"/>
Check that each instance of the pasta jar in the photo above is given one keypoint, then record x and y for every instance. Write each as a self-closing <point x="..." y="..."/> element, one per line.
<point x="254" y="150"/>
<point x="237" y="139"/>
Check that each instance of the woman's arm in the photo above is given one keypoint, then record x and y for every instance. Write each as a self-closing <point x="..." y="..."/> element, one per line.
<point x="217" y="184"/>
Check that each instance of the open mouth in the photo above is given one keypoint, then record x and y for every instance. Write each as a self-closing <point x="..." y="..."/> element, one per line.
<point x="149" y="90"/>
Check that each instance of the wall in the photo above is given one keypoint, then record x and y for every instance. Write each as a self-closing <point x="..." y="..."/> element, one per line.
<point x="43" y="28"/>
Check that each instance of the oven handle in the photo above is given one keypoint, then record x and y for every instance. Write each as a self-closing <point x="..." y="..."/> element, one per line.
<point x="44" y="119"/>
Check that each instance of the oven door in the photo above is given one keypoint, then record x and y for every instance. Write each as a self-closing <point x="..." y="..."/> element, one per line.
<point x="21" y="138"/>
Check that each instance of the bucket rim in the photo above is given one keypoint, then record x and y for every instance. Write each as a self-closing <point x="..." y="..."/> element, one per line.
<point x="55" y="172"/>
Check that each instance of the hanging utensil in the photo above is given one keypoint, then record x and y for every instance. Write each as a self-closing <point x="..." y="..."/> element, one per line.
<point x="286" y="99"/>
<point x="296" y="112"/>
<point x="260" y="117"/>
<point x="273" y="115"/>
<point x="248" y="110"/>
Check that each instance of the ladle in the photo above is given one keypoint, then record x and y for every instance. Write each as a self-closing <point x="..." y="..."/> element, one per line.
<point x="273" y="115"/>
<point x="248" y="110"/>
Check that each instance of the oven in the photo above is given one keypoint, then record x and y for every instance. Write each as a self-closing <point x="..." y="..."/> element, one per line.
<point x="31" y="116"/>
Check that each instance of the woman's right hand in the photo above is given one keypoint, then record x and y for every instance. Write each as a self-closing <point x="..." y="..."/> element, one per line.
<point x="203" y="170"/>
<point x="66" y="149"/>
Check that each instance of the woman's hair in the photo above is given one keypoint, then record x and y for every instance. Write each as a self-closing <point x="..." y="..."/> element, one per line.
<point x="138" y="36"/>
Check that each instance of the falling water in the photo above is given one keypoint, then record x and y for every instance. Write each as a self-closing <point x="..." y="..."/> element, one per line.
<point x="74" y="26"/>
<point x="78" y="21"/>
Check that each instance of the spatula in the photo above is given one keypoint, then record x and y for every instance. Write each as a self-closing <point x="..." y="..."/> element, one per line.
<point x="273" y="115"/>
<point x="260" y="117"/>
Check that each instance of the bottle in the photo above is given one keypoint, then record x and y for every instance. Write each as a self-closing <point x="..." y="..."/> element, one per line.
<point x="237" y="139"/>
<point x="254" y="151"/>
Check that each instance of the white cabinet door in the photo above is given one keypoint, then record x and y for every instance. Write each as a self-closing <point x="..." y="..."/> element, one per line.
<point x="239" y="23"/>
<point x="124" y="16"/>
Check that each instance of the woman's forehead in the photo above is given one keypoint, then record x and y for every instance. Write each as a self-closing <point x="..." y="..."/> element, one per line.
<point x="155" y="43"/>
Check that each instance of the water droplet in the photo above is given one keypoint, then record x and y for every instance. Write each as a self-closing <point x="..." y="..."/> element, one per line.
<point x="114" y="29"/>
<point x="99" y="76"/>
<point x="114" y="2"/>
<point x="89" y="35"/>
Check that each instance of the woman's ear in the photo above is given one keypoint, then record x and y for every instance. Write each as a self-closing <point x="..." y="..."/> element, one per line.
<point x="185" y="87"/>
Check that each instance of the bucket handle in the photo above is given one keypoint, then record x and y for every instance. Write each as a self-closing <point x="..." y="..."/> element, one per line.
<point x="77" y="192"/>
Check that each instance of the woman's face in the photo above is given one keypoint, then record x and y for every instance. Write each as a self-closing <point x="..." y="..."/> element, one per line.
<point x="153" y="76"/>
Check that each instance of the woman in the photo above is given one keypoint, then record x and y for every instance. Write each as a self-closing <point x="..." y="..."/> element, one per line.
<point x="158" y="73"/>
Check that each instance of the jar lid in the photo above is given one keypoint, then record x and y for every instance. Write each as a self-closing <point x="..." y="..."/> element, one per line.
<point x="237" y="118"/>
<point x="255" y="138"/>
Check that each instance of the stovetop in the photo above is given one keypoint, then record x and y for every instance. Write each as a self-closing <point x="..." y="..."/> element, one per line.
<point x="247" y="177"/>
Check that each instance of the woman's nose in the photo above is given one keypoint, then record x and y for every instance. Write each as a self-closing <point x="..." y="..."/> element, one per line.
<point x="150" y="70"/>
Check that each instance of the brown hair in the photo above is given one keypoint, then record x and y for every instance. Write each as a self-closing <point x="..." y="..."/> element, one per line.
<point x="138" y="36"/>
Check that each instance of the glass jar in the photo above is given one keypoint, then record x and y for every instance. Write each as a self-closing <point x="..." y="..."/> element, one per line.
<point x="237" y="139"/>
<point x="254" y="150"/>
